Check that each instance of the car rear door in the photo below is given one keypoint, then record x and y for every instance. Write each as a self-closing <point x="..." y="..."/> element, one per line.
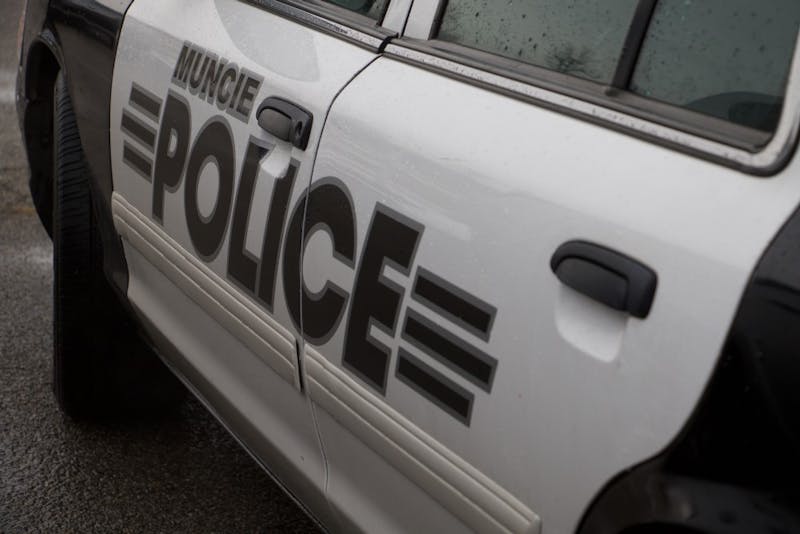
<point x="519" y="267"/>
<point x="217" y="109"/>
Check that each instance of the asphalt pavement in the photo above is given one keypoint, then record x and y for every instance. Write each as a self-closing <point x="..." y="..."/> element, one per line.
<point x="181" y="474"/>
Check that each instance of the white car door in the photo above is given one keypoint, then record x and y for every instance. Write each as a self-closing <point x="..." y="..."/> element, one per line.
<point x="524" y="248"/>
<point x="217" y="108"/>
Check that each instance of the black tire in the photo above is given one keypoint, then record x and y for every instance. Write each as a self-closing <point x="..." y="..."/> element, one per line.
<point x="101" y="367"/>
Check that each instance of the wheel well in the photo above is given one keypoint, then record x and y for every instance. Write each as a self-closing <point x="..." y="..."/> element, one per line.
<point x="42" y="67"/>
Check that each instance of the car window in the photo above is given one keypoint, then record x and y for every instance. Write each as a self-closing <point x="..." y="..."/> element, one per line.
<point x="373" y="9"/>
<point x="583" y="38"/>
<point x="728" y="59"/>
<point x="725" y="58"/>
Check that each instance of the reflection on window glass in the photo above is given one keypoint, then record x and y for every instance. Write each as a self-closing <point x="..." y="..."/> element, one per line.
<point x="583" y="38"/>
<point x="725" y="58"/>
<point x="371" y="8"/>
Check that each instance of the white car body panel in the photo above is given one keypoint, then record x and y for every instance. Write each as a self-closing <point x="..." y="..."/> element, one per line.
<point x="492" y="185"/>
<point x="581" y="392"/>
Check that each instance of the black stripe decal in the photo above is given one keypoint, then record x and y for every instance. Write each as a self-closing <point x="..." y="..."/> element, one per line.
<point x="434" y="386"/>
<point x="458" y="355"/>
<point x="145" y="102"/>
<point x="137" y="161"/>
<point x="454" y="303"/>
<point x="138" y="130"/>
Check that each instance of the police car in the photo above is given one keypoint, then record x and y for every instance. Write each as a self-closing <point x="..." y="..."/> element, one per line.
<point x="439" y="265"/>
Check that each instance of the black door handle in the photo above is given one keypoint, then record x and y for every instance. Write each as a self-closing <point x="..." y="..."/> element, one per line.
<point x="286" y="121"/>
<point x="606" y="276"/>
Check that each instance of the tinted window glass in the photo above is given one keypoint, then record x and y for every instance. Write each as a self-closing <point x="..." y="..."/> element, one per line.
<point x="371" y="8"/>
<point x="726" y="58"/>
<point x="579" y="37"/>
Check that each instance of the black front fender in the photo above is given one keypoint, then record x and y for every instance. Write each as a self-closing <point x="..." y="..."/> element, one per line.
<point x="78" y="37"/>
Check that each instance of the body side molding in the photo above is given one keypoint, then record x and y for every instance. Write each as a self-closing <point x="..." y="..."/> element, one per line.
<point x="262" y="334"/>
<point x="467" y="493"/>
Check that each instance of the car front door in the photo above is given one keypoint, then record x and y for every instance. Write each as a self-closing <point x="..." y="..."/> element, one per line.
<point x="518" y="272"/>
<point x="217" y="109"/>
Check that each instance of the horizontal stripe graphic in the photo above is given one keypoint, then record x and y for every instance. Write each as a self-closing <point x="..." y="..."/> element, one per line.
<point x="138" y="130"/>
<point x="455" y="353"/>
<point x="434" y="386"/>
<point x="137" y="161"/>
<point x="454" y="303"/>
<point x="145" y="102"/>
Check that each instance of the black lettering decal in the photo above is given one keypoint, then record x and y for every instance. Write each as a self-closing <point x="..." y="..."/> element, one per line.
<point x="213" y="75"/>
<point x="196" y="77"/>
<point x="180" y="65"/>
<point x="217" y="81"/>
<point x="214" y="145"/>
<point x="235" y="96"/>
<point x="175" y="125"/>
<point x="391" y="239"/>
<point x="273" y="233"/>
<point x="248" y="94"/>
<point x="292" y="262"/>
<point x="225" y="94"/>
<point x="183" y="65"/>
<point x="241" y="266"/>
<point x="329" y="209"/>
